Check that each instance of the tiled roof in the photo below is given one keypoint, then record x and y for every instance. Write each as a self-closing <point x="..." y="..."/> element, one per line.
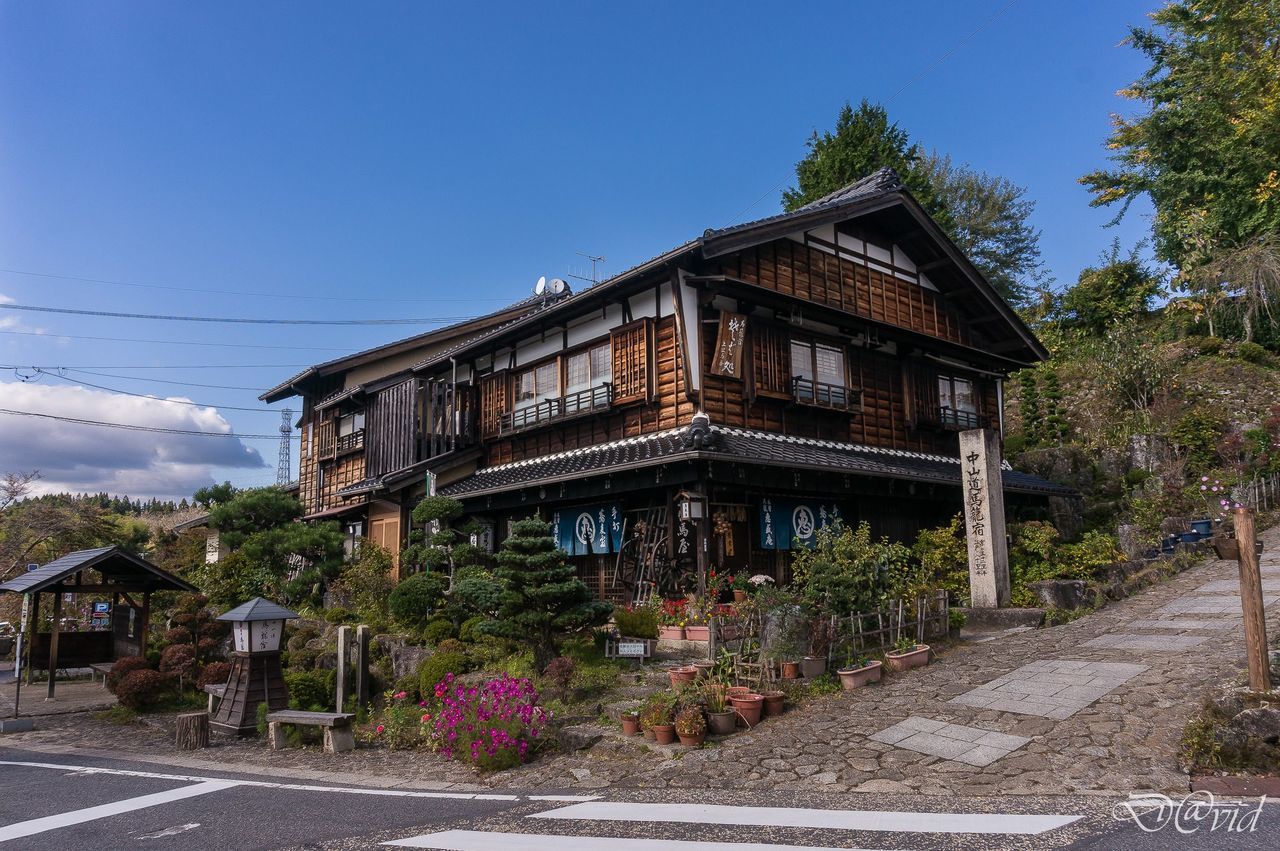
<point x="877" y="183"/>
<point x="737" y="445"/>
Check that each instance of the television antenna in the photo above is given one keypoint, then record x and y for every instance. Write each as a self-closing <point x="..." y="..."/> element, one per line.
<point x="595" y="259"/>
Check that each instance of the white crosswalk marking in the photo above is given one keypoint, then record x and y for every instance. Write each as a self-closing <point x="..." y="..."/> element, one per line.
<point x="906" y="822"/>
<point x="476" y="840"/>
<point x="40" y="825"/>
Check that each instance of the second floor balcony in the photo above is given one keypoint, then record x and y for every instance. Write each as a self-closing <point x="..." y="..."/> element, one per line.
<point x="583" y="402"/>
<point x="806" y="391"/>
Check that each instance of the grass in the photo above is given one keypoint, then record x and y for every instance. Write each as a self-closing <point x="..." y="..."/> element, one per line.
<point x="117" y="714"/>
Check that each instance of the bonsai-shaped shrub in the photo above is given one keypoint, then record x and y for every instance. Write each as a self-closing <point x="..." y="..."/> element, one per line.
<point x="544" y="599"/>
<point x="311" y="690"/>
<point x="466" y="631"/>
<point x="434" y="669"/>
<point x="637" y="621"/>
<point x="124" y="666"/>
<point x="143" y="689"/>
<point x="690" y="722"/>
<point x="213" y="674"/>
<point x="417" y="598"/>
<point x="178" y="660"/>
<point x="475" y="593"/>
<point x="438" y="630"/>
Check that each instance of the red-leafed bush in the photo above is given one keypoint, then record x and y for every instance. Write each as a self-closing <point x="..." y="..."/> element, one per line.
<point x="178" y="635"/>
<point x="178" y="659"/>
<point x="122" y="668"/>
<point x="143" y="689"/>
<point x="215" y="673"/>
<point x="209" y="647"/>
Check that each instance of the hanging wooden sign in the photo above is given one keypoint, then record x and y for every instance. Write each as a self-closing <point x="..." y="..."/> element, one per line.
<point x="730" y="340"/>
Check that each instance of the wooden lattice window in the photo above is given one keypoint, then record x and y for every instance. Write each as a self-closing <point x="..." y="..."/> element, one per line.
<point x="632" y="345"/>
<point x="771" y="363"/>
<point x="493" y="402"/>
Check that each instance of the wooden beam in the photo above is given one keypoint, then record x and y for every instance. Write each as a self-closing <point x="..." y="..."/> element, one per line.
<point x="53" y="643"/>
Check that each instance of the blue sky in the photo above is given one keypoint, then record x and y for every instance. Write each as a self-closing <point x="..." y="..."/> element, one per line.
<point x="423" y="160"/>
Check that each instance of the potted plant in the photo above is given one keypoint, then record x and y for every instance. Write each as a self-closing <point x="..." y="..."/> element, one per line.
<point x="658" y="717"/>
<point x="630" y="723"/>
<point x="721" y="719"/>
<point x="741" y="585"/>
<point x="691" y="727"/>
<point x="773" y="702"/>
<point x="821" y="633"/>
<point x="858" y="671"/>
<point x="696" y="628"/>
<point x="682" y="674"/>
<point x="748" y="707"/>
<point x="907" y="654"/>
<point x="704" y="668"/>
<point x="955" y="622"/>
<point x="671" y="620"/>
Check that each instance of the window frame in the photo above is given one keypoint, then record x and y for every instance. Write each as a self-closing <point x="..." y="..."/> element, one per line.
<point x="852" y="396"/>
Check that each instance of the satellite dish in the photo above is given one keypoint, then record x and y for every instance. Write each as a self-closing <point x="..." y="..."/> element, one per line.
<point x="541" y="287"/>
<point x="557" y="286"/>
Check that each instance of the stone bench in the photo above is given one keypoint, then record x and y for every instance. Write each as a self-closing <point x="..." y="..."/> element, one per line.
<point x="102" y="669"/>
<point x="215" y="692"/>
<point x="338" y="736"/>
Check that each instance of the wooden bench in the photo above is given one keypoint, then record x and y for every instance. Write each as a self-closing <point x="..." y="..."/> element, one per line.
<point x="338" y="736"/>
<point x="102" y="669"/>
<point x="215" y="690"/>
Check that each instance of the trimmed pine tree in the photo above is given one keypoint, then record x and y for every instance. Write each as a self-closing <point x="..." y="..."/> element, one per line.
<point x="543" y="600"/>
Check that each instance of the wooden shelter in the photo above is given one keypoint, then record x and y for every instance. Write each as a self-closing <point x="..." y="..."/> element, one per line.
<point x="127" y="579"/>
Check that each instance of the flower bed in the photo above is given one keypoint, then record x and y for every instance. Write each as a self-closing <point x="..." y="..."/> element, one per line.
<point x="492" y="726"/>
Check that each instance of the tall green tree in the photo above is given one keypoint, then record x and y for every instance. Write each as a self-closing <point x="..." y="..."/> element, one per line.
<point x="1206" y="149"/>
<point x="542" y="599"/>
<point x="1119" y="289"/>
<point x="991" y="224"/>
<point x="864" y="141"/>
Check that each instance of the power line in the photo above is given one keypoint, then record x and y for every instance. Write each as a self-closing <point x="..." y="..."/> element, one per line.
<point x="237" y="292"/>
<point x="923" y="73"/>
<point x="232" y="320"/>
<point x="163" y="380"/>
<point x="153" y="398"/>
<point x="172" y="342"/>
<point x="130" y="427"/>
<point x="172" y="366"/>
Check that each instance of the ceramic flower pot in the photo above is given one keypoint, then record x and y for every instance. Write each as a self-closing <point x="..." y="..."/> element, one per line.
<point x="916" y="658"/>
<point x="722" y="723"/>
<point x="648" y="734"/>
<point x="630" y="724"/>
<point x="697" y="633"/>
<point x="790" y="670"/>
<point x="852" y="678"/>
<point x="679" y="676"/>
<point x="664" y="734"/>
<point x="704" y="669"/>
<point x="748" y="707"/>
<point x="739" y="690"/>
<point x="773" y="701"/>
<point x="693" y="741"/>
<point x="739" y="596"/>
<point x="1227" y="548"/>
<point x="671" y="633"/>
<point x="812" y="667"/>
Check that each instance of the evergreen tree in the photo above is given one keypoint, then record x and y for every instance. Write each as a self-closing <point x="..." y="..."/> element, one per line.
<point x="542" y="599"/>
<point x="1032" y="422"/>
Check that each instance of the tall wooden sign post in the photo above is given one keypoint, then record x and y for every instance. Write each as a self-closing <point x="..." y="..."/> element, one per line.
<point x="1255" y="625"/>
<point x="983" y="491"/>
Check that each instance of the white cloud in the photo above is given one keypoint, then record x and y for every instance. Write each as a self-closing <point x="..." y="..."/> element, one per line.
<point x="4" y="299"/>
<point x="83" y="458"/>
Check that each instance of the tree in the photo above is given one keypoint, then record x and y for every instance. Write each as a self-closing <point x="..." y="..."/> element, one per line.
<point x="1119" y="289"/>
<point x="864" y="141"/>
<point x="1206" y="148"/>
<point x="250" y="511"/>
<point x="214" y="495"/>
<point x="990" y="216"/>
<point x="1249" y="275"/>
<point x="542" y="599"/>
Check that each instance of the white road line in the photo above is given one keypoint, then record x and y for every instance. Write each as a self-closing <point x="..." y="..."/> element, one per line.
<point x="264" y="784"/>
<point x="907" y="822"/>
<point x="40" y="825"/>
<point x="473" y="840"/>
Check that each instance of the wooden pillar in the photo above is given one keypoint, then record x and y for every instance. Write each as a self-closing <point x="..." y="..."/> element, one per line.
<point x="145" y="624"/>
<point x="344" y="655"/>
<point x="53" y="641"/>
<point x="363" y="637"/>
<point x="1255" y="626"/>
<point x="35" y="629"/>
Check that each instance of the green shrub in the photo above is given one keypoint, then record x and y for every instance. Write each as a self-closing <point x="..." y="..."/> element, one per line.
<point x="467" y="631"/>
<point x="311" y="690"/>
<point x="433" y="669"/>
<point x="414" y="600"/>
<point x="637" y="622"/>
<point x="1206" y="345"/>
<point x="478" y="593"/>
<point x="124" y="666"/>
<point x="451" y="645"/>
<point x="944" y="555"/>
<point x="143" y="689"/>
<point x="438" y="630"/>
<point x="1251" y="352"/>
<point x="338" y="615"/>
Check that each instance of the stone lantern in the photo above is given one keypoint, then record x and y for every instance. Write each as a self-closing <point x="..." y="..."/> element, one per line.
<point x="256" y="676"/>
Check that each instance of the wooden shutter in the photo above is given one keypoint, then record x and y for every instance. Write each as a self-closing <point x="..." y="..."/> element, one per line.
<point x="922" y="391"/>
<point x="493" y="402"/>
<point x="632" y="345"/>
<point x="771" y="360"/>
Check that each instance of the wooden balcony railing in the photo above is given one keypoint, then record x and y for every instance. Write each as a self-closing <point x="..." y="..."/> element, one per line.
<point x="588" y="401"/>
<point x="347" y="442"/>
<point x="953" y="419"/>
<point x="835" y="396"/>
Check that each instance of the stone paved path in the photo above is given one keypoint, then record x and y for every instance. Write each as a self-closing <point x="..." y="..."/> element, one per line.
<point x="1120" y="733"/>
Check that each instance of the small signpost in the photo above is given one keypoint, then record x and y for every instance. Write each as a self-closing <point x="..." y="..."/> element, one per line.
<point x="1255" y="626"/>
<point x="983" y="495"/>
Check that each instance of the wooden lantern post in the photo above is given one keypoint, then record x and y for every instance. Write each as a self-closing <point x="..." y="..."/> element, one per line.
<point x="1255" y="625"/>
<point x="256" y="676"/>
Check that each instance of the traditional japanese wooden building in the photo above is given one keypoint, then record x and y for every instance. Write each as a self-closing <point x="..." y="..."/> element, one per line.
<point x="733" y="394"/>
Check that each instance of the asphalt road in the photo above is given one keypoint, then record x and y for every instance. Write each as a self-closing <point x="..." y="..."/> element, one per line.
<point x="54" y="802"/>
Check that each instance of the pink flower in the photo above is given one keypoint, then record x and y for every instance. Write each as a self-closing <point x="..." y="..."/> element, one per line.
<point x="381" y="729"/>
<point x="400" y="695"/>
